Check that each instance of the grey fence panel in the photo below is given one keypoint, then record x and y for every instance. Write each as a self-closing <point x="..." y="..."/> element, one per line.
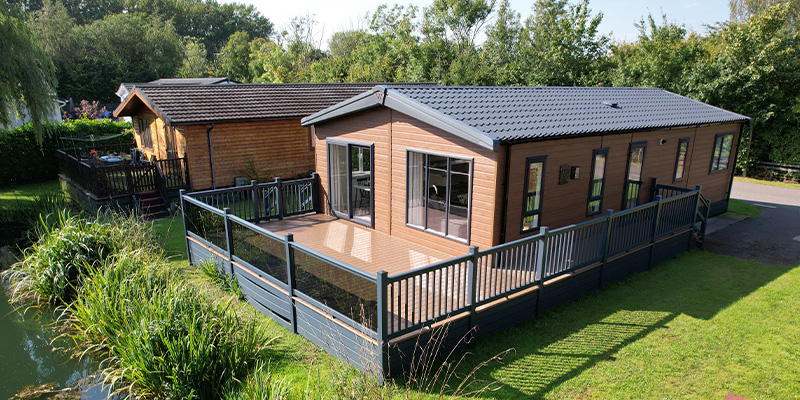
<point x="666" y="191"/>
<point x="426" y="294"/>
<point x="631" y="228"/>
<point x="509" y="267"/>
<point x="269" y="197"/>
<point x="205" y="222"/>
<point x="261" y="249"/>
<point x="343" y="288"/>
<point x="298" y="196"/>
<point x="573" y="247"/>
<point x="677" y="213"/>
<point x="238" y="199"/>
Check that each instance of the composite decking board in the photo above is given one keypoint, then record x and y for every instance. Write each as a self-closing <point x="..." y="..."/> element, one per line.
<point x="366" y="249"/>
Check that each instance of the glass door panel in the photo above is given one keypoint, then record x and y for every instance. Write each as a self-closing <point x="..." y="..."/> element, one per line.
<point x="361" y="183"/>
<point x="633" y="182"/>
<point x="337" y="168"/>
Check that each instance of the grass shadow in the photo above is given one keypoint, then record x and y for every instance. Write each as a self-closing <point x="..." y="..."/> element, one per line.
<point x="566" y="341"/>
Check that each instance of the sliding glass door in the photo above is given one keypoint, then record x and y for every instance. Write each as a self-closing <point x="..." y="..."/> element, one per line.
<point x="350" y="182"/>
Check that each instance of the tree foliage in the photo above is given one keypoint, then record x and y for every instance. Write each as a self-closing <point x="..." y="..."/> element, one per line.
<point x="27" y="79"/>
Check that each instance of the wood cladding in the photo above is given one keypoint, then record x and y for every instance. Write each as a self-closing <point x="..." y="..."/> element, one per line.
<point x="566" y="204"/>
<point x="275" y="148"/>
<point x="393" y="134"/>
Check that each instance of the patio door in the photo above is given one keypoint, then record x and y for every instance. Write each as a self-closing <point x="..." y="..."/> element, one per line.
<point x="350" y="181"/>
<point x="633" y="180"/>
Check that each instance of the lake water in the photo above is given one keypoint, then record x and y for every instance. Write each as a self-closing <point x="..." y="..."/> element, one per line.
<point x="27" y="356"/>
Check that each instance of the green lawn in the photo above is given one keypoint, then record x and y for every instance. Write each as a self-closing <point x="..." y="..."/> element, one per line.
<point x="25" y="193"/>
<point x="699" y="326"/>
<point x="770" y="183"/>
<point x="740" y="207"/>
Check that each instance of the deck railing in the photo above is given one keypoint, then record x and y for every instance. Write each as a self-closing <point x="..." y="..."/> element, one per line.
<point x="303" y="288"/>
<point x="114" y="179"/>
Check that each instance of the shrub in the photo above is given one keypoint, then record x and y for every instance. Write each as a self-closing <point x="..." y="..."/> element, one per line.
<point x="23" y="159"/>
<point x="161" y="338"/>
<point x="54" y="267"/>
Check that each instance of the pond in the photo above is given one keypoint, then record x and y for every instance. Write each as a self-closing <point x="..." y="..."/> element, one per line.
<point x="27" y="357"/>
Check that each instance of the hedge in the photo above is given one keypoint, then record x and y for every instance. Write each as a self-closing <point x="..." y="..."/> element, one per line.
<point x="23" y="159"/>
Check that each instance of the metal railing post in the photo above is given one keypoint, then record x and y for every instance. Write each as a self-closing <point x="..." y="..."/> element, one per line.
<point x="281" y="201"/>
<point x="315" y="192"/>
<point x="256" y="210"/>
<point x="229" y="240"/>
<point x="655" y="231"/>
<point x="541" y="261"/>
<point x="606" y="246"/>
<point x="182" y="193"/>
<point x="472" y="281"/>
<point x="382" y="327"/>
<point x="653" y="189"/>
<point x="291" y="280"/>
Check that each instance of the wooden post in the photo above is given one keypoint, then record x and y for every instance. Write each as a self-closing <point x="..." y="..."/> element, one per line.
<point x="382" y="327"/>
<point x="256" y="210"/>
<point x="129" y="178"/>
<point x="229" y="240"/>
<point x="290" y="280"/>
<point x="315" y="192"/>
<point x="606" y="245"/>
<point x="281" y="202"/>
<point x="541" y="261"/>
<point x="655" y="231"/>
<point x="472" y="281"/>
<point x="182" y="193"/>
<point x="653" y="189"/>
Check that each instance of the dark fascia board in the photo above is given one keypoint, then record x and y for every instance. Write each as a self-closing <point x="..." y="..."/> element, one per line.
<point x="144" y="99"/>
<point x="381" y="95"/>
<point x="369" y="99"/>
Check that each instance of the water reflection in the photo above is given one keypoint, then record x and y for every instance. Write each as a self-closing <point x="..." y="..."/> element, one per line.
<point x="27" y="357"/>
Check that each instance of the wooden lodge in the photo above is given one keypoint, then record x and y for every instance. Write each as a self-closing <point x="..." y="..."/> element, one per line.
<point x="225" y="132"/>
<point x="427" y="219"/>
<point x="460" y="166"/>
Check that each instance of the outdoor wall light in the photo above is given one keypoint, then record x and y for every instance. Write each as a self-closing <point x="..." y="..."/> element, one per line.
<point x="662" y="141"/>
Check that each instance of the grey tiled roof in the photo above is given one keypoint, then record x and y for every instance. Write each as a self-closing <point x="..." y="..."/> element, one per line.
<point x="191" y="81"/>
<point x="215" y="103"/>
<point x="510" y="114"/>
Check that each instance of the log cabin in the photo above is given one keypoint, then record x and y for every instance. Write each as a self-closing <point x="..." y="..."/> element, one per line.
<point x="450" y="167"/>
<point x="225" y="132"/>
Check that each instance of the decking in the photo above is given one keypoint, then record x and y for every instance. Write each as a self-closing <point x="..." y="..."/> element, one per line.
<point x="364" y="248"/>
<point x="370" y="298"/>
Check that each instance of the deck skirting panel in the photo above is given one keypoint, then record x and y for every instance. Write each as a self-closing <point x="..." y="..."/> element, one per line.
<point x="569" y="289"/>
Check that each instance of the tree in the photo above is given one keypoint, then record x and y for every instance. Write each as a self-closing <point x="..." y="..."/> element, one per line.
<point x="753" y="68"/>
<point x="663" y="56"/>
<point x="561" y="45"/>
<point x="501" y="52"/>
<point x="233" y="60"/>
<point x="195" y="63"/>
<point x="27" y="79"/>
<point x="742" y="10"/>
<point x="129" y="47"/>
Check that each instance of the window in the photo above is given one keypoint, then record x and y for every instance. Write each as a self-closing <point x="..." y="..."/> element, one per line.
<point x="680" y="162"/>
<point x="169" y="137"/>
<point x="633" y="183"/>
<point x="723" y="144"/>
<point x="144" y="133"/>
<point x="438" y="194"/>
<point x="532" y="200"/>
<point x="597" y="182"/>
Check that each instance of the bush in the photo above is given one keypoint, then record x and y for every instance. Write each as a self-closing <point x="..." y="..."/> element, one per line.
<point x="159" y="336"/>
<point x="23" y="159"/>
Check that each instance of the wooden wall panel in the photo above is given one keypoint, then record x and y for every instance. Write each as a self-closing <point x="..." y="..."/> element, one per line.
<point x="715" y="185"/>
<point x="389" y="129"/>
<point x="561" y="204"/>
<point x="275" y="148"/>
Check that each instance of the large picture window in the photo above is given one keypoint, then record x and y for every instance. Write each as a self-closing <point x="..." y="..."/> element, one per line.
<point x="723" y="144"/>
<point x="144" y="133"/>
<point x="532" y="199"/>
<point x="438" y="194"/>
<point x="680" y="162"/>
<point x="597" y="182"/>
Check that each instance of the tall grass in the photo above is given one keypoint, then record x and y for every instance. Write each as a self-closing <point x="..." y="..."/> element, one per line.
<point x="161" y="338"/>
<point x="54" y="267"/>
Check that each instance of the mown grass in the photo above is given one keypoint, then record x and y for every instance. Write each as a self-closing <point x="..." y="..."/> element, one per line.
<point x="740" y="207"/>
<point x="768" y="183"/>
<point x="27" y="192"/>
<point x="699" y="326"/>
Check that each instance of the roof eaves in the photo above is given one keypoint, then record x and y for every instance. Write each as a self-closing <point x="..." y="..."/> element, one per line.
<point x="397" y="101"/>
<point x="147" y="101"/>
<point x="361" y="102"/>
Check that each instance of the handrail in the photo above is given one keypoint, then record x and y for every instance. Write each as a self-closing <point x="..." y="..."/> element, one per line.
<point x="204" y="205"/>
<point x="336" y="263"/>
<point x="428" y="268"/>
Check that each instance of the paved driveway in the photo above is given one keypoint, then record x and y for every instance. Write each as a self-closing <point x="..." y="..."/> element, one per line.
<point x="773" y="237"/>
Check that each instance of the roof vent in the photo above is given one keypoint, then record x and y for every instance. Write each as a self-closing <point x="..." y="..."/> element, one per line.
<point x="612" y="104"/>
